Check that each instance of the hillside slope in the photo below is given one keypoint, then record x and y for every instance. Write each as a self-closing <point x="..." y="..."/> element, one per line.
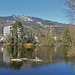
<point x="29" y="23"/>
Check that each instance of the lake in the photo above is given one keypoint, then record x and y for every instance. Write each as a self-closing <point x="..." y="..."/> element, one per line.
<point x="54" y="60"/>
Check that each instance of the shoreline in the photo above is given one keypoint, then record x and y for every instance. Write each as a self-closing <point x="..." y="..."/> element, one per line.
<point x="39" y="45"/>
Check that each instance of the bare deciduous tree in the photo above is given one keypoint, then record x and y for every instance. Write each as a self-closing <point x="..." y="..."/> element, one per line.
<point x="71" y="10"/>
<point x="71" y="4"/>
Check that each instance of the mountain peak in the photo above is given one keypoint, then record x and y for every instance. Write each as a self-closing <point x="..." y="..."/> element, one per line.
<point x="24" y="18"/>
<point x="27" y="20"/>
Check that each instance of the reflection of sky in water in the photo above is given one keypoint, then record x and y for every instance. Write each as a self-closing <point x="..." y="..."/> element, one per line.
<point x="55" y="61"/>
<point x="51" y="69"/>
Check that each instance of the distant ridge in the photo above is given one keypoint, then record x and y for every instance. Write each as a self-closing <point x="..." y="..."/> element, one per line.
<point x="22" y="18"/>
<point x="25" y="20"/>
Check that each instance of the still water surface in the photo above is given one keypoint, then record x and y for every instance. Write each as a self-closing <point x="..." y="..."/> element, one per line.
<point x="54" y="61"/>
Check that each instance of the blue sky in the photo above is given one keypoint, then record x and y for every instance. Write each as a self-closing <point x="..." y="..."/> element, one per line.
<point x="46" y="9"/>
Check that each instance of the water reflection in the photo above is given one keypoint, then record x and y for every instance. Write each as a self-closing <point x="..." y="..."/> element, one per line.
<point x="49" y="55"/>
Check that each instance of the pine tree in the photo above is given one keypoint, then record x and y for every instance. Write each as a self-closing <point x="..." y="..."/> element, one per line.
<point x="66" y="37"/>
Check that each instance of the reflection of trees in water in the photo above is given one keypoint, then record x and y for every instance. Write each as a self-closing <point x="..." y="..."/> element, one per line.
<point x="10" y="50"/>
<point x="71" y="51"/>
<point x="47" y="54"/>
<point x="70" y="56"/>
<point x="16" y="65"/>
<point x="65" y="50"/>
<point x="71" y="62"/>
<point x="51" y="54"/>
<point x="19" y="52"/>
<point x="29" y="53"/>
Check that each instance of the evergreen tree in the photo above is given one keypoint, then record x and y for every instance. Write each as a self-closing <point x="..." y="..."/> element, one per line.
<point x="66" y="37"/>
<point x="16" y="31"/>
